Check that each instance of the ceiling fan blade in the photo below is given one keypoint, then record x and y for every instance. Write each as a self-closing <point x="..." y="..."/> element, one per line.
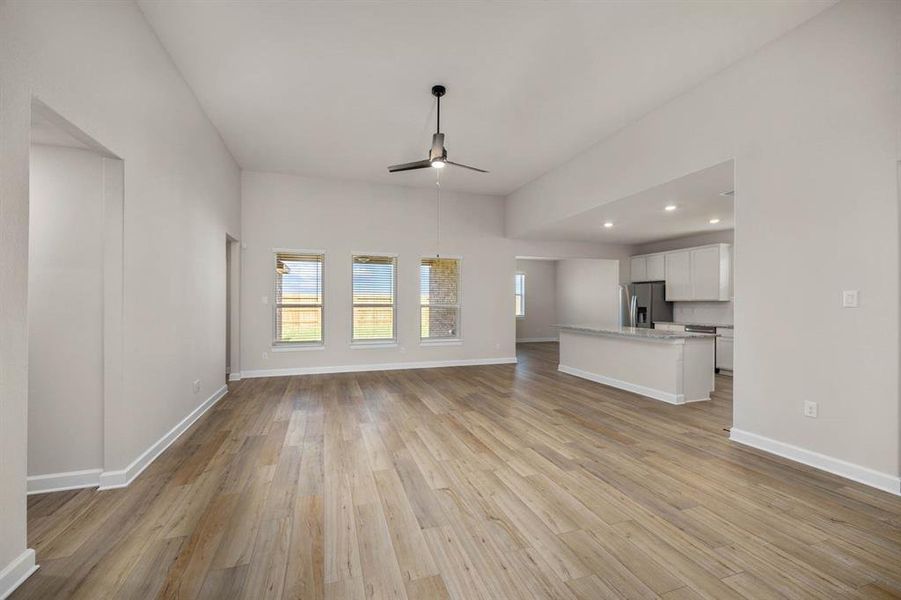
<point x="467" y="167"/>
<point x="437" y="147"/>
<point x="419" y="164"/>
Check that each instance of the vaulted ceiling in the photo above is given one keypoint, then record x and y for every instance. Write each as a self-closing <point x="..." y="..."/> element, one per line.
<point x="341" y="89"/>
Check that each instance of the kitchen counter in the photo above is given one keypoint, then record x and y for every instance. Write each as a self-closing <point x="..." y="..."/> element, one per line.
<point x="671" y="366"/>
<point x="634" y="332"/>
<point x="722" y="325"/>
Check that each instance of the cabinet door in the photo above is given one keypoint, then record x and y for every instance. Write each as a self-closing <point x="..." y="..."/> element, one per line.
<point x="724" y="353"/>
<point x="639" y="268"/>
<point x="705" y="273"/>
<point x="678" y="275"/>
<point x="656" y="267"/>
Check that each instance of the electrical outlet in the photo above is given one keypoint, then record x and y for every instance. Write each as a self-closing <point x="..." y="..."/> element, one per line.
<point x="265" y="299"/>
<point x="265" y="355"/>
<point x="811" y="409"/>
<point x="196" y="386"/>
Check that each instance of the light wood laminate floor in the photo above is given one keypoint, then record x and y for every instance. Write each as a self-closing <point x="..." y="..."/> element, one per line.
<point x="509" y="481"/>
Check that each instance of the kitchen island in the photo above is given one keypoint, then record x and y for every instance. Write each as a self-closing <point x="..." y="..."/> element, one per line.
<point x="672" y="366"/>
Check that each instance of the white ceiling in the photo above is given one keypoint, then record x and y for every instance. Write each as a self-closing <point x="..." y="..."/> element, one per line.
<point x="642" y="218"/>
<point x="341" y="89"/>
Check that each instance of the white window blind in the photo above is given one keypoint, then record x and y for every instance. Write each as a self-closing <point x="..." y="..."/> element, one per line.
<point x="439" y="293"/>
<point x="298" y="298"/>
<point x="374" y="289"/>
<point x="520" y="294"/>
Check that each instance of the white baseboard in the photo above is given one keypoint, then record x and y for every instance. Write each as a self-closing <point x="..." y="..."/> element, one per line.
<point x="425" y="364"/>
<point x="121" y="478"/>
<point x="656" y="394"/>
<point x="16" y="572"/>
<point x="234" y="376"/>
<point x="536" y="339"/>
<point x="60" y="482"/>
<point x="836" y="466"/>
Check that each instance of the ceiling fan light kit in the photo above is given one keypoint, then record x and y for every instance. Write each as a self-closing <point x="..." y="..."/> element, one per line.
<point x="438" y="153"/>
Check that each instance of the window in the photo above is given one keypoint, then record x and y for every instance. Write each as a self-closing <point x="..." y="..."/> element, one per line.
<point x="374" y="288"/>
<point x="439" y="297"/>
<point x="520" y="293"/>
<point x="298" y="298"/>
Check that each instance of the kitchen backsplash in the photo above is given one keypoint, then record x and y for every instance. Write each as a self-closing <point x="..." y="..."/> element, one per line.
<point x="703" y="312"/>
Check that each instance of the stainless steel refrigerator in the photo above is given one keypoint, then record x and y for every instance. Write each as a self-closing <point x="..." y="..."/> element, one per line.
<point x="641" y="304"/>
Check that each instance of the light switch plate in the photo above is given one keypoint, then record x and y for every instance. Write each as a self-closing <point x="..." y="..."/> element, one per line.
<point x="849" y="299"/>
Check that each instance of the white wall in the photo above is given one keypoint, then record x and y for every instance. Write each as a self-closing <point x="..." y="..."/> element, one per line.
<point x="100" y="66"/>
<point x="726" y="236"/>
<point x="588" y="292"/>
<point x="812" y="121"/>
<point x="343" y="217"/>
<point x="556" y="249"/>
<point x="65" y="316"/>
<point x="698" y="312"/>
<point x="541" y="300"/>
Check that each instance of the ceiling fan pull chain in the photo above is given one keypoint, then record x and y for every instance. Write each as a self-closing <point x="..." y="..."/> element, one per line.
<point x="438" y="214"/>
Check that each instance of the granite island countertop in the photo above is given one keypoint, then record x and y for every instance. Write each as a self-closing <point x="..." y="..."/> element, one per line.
<point x="632" y="332"/>
<point x="699" y="323"/>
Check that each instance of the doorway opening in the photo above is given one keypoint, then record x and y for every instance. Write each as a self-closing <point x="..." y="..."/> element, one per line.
<point x="75" y="302"/>
<point x="232" y="313"/>
<point x="552" y="290"/>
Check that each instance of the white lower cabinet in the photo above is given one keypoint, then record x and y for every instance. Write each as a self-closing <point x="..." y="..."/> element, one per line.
<point x="724" y="344"/>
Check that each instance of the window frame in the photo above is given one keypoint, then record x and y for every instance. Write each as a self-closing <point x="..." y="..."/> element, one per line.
<point x="522" y="302"/>
<point x="378" y="343"/>
<point x="444" y="341"/>
<point x="283" y="346"/>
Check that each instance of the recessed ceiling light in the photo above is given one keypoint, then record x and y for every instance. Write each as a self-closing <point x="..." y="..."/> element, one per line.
<point x="669" y="207"/>
<point x="713" y="221"/>
<point x="608" y="224"/>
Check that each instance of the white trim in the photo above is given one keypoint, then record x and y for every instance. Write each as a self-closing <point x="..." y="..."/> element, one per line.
<point x="836" y="466"/>
<point x="440" y="341"/>
<point x="656" y="394"/>
<point x="300" y="347"/>
<point x="424" y="364"/>
<point x="60" y="482"/>
<point x="298" y="251"/>
<point x="234" y="376"/>
<point x="368" y="345"/>
<point x="536" y="339"/>
<point x="121" y="478"/>
<point x="16" y="572"/>
<point x="382" y="254"/>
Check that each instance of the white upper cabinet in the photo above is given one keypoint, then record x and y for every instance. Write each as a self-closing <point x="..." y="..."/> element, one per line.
<point x="692" y="274"/>
<point x="705" y="273"/>
<point x="656" y="267"/>
<point x="678" y="275"/>
<point x="639" y="269"/>
<point x="647" y="268"/>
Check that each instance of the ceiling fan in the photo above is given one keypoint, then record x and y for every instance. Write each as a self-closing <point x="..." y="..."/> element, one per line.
<point x="438" y="154"/>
